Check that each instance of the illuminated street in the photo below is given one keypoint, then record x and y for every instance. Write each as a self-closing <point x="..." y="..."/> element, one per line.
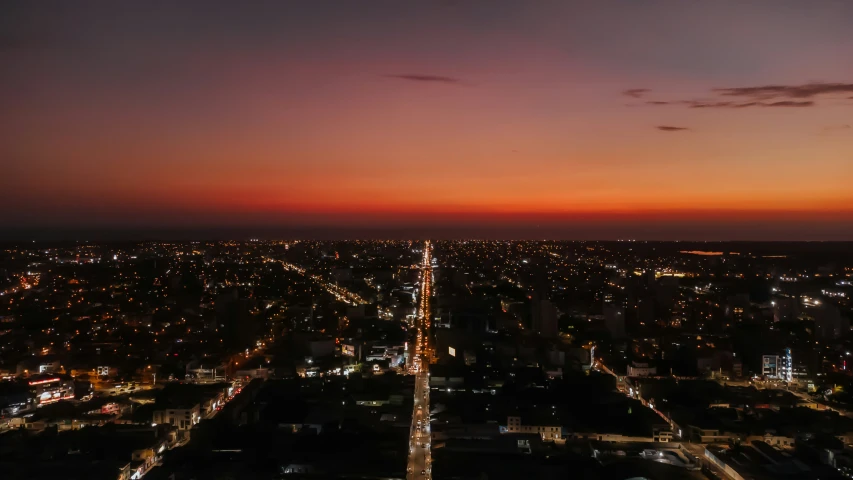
<point x="419" y="444"/>
<point x="591" y="240"/>
<point x="342" y="294"/>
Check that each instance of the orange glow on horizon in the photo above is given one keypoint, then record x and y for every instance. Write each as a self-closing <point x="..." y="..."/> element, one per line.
<point x="425" y="113"/>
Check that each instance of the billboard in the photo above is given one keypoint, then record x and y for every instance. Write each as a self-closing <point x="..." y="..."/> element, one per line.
<point x="348" y="350"/>
<point x="451" y="351"/>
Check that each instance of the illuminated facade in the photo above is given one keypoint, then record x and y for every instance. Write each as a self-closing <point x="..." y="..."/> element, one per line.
<point x="550" y="432"/>
<point x="779" y="367"/>
<point x="48" y="390"/>
<point x="180" y="418"/>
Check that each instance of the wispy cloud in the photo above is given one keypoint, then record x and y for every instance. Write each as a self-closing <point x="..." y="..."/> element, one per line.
<point x="783" y="103"/>
<point x="697" y="104"/>
<point x="788" y="103"/>
<point x="425" y="78"/>
<point x="635" y="92"/>
<point x="837" y="128"/>
<point x="795" y="96"/>
<point x="767" y="92"/>
<point x="668" y="128"/>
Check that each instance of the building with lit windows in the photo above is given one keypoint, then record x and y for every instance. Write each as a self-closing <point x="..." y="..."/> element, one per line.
<point x="51" y="389"/>
<point x="180" y="418"/>
<point x="780" y="367"/>
<point x="547" y="432"/>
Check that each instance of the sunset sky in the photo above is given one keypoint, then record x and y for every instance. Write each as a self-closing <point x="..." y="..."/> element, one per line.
<point x="651" y="119"/>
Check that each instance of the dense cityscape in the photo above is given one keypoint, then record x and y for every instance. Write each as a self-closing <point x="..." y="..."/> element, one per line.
<point x="426" y="240"/>
<point x="426" y="360"/>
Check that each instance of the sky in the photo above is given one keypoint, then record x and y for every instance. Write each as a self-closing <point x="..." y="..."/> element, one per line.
<point x="620" y="119"/>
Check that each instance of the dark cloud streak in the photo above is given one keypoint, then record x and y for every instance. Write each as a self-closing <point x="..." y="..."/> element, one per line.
<point x="788" y="103"/>
<point x="667" y="128"/>
<point x="635" y="92"/>
<point x="695" y="104"/>
<point x="766" y="92"/>
<point x="425" y="78"/>
<point x="795" y="96"/>
<point x="784" y="103"/>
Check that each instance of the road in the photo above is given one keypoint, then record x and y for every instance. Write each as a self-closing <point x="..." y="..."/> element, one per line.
<point x="675" y="429"/>
<point x="805" y="397"/>
<point x="695" y="449"/>
<point x="420" y="460"/>
<point x="339" y="292"/>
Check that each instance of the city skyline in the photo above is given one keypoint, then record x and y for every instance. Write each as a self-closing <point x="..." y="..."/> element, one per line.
<point x="660" y="120"/>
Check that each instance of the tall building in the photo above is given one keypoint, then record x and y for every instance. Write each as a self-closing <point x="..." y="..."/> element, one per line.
<point x="234" y="319"/>
<point x="829" y="324"/>
<point x="543" y="316"/>
<point x="614" y="320"/>
<point x="787" y="372"/>
<point x="785" y="309"/>
<point x="780" y="367"/>
<point x="737" y="306"/>
<point x="770" y="366"/>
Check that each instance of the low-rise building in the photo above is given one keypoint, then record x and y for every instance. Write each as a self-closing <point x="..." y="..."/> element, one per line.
<point x="709" y="435"/>
<point x="180" y="418"/>
<point x="662" y="435"/>
<point x="773" y="440"/>
<point x="547" y="432"/>
<point x="641" y="369"/>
